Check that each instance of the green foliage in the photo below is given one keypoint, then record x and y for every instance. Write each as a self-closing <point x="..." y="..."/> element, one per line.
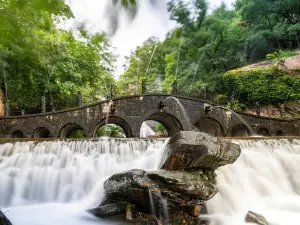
<point x="77" y="134"/>
<point x="147" y="62"/>
<point x="276" y="25"/>
<point x="221" y="99"/>
<point x="111" y="130"/>
<point x="160" y="128"/>
<point x="271" y="85"/>
<point x="281" y="54"/>
<point x="195" y="54"/>
<point x="237" y="105"/>
<point x="39" y="59"/>
<point x="203" y="47"/>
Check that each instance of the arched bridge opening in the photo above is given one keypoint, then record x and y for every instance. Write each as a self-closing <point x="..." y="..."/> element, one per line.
<point x="151" y="128"/>
<point x="263" y="132"/>
<point x="210" y="126"/>
<point x="240" y="130"/>
<point x="17" y="134"/>
<point x="112" y="126"/>
<point x="168" y="124"/>
<point x="41" y="132"/>
<point x="72" y="130"/>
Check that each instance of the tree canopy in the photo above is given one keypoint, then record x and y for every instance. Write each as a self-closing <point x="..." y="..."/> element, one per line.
<point x="38" y="58"/>
<point x="205" y="45"/>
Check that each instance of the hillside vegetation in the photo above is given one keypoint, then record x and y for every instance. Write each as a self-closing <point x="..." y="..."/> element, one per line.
<point x="203" y="54"/>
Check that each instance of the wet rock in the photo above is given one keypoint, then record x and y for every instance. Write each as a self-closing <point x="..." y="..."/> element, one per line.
<point x="146" y="219"/>
<point x="183" y="218"/>
<point x="131" y="186"/>
<point x="4" y="220"/>
<point x="175" y="189"/>
<point x="194" y="150"/>
<point x="184" y="186"/>
<point x="111" y="209"/>
<point x="256" y="218"/>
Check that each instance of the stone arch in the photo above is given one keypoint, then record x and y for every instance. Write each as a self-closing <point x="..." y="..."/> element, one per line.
<point x="67" y="129"/>
<point x="17" y="134"/>
<point x="41" y="132"/>
<point x="263" y="131"/>
<point x="210" y="126"/>
<point x="240" y="130"/>
<point x="114" y="120"/>
<point x="279" y="133"/>
<point x="170" y="122"/>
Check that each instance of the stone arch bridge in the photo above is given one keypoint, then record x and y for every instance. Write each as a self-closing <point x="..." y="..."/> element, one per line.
<point x="176" y="113"/>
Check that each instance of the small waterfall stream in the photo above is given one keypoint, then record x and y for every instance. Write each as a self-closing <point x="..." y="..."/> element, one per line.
<point x="46" y="183"/>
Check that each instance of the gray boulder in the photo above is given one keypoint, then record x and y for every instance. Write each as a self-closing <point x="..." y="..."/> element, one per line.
<point x="194" y="150"/>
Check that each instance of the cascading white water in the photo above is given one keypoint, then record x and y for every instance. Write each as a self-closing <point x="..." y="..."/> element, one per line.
<point x="50" y="183"/>
<point x="146" y="131"/>
<point x="265" y="179"/>
<point x="34" y="174"/>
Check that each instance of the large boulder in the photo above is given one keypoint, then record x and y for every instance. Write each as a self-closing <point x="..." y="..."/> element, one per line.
<point x="4" y="220"/>
<point x="194" y="150"/>
<point x="157" y="192"/>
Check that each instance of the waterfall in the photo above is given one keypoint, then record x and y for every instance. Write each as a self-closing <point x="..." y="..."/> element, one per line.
<point x="32" y="173"/>
<point x="146" y="131"/>
<point x="45" y="183"/>
<point x="265" y="179"/>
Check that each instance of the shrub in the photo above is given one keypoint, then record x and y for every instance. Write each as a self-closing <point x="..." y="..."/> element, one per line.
<point x="265" y="85"/>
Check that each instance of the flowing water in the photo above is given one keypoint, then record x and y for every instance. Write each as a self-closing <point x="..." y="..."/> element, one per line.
<point x="182" y="109"/>
<point x="265" y="179"/>
<point x="55" y="182"/>
<point x="50" y="183"/>
<point x="146" y="131"/>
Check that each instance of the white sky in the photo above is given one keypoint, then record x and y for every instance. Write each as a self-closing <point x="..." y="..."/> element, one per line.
<point x="149" y="22"/>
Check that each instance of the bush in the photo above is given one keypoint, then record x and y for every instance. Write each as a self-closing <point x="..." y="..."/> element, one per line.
<point x="265" y="85"/>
